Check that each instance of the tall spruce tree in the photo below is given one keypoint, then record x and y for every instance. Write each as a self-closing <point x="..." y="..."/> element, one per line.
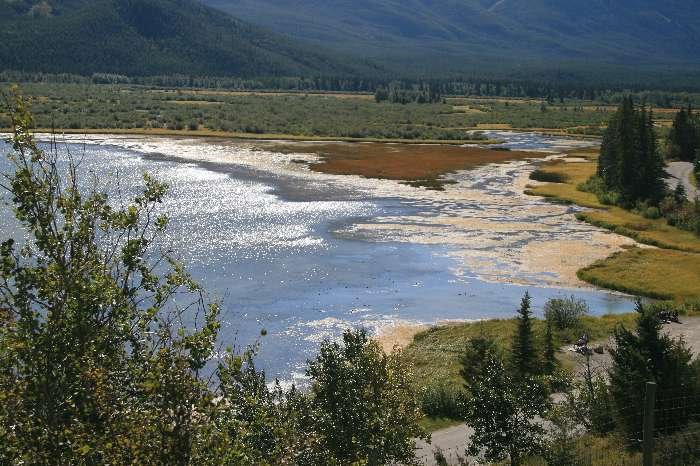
<point x="549" y="360"/>
<point x="684" y="140"/>
<point x="648" y="355"/>
<point x="630" y="163"/>
<point x="523" y="353"/>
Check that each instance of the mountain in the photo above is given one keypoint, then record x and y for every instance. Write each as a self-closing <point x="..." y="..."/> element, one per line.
<point x="459" y="34"/>
<point x="149" y="37"/>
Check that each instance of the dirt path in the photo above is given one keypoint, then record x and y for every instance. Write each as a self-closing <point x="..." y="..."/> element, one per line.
<point x="453" y="440"/>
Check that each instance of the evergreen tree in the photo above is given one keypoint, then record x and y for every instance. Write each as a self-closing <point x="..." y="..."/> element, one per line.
<point x="549" y="360"/>
<point x="630" y="163"/>
<point x="648" y="355"/>
<point x="523" y="353"/>
<point x="683" y="138"/>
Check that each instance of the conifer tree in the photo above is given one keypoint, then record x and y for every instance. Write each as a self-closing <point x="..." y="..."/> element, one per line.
<point x="648" y="355"/>
<point x="630" y="163"/>
<point x="683" y="138"/>
<point x="524" y="356"/>
<point x="549" y="363"/>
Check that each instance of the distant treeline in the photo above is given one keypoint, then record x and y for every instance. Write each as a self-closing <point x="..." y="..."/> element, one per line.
<point x="431" y="90"/>
<point x="399" y="93"/>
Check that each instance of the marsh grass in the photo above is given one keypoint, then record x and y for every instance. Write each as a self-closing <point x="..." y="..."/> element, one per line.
<point x="671" y="272"/>
<point x="655" y="273"/>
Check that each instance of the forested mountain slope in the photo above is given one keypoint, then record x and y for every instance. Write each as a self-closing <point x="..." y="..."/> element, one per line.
<point x="600" y="31"/>
<point x="148" y="37"/>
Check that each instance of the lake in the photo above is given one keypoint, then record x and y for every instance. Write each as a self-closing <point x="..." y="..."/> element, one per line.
<point x="305" y="256"/>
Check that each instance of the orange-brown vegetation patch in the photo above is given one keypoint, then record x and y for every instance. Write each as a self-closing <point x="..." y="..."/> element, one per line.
<point x="406" y="162"/>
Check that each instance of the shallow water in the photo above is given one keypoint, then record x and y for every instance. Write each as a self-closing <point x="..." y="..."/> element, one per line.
<point x="306" y="256"/>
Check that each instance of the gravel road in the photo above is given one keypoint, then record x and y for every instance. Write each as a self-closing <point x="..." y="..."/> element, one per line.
<point x="681" y="172"/>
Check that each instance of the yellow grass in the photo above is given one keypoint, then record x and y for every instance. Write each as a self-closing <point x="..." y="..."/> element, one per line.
<point x="672" y="272"/>
<point x="655" y="232"/>
<point x="657" y="273"/>
<point x="467" y="109"/>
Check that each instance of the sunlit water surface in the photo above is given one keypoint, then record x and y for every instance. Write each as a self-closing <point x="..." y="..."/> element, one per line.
<point x="282" y="252"/>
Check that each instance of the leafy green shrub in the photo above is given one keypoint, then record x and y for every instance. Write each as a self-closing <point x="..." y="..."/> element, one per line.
<point x="593" y="185"/>
<point x="443" y="399"/>
<point x="651" y="213"/>
<point x="548" y="177"/>
<point x="609" y="198"/>
<point x="564" y="313"/>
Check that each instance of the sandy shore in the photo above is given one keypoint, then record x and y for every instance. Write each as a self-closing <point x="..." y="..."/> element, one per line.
<point x="398" y="336"/>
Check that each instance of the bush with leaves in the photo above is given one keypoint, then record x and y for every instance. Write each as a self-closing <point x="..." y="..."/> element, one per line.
<point x="505" y="413"/>
<point x="367" y="410"/>
<point x="565" y="313"/>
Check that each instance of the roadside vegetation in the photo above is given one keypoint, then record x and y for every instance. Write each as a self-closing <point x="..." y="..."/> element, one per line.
<point x="436" y="353"/>
<point x="497" y="376"/>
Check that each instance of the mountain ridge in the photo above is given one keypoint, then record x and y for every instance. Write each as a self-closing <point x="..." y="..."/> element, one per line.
<point x="148" y="37"/>
<point x="596" y="31"/>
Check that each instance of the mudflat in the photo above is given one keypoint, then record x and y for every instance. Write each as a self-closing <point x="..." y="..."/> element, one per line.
<point x="406" y="162"/>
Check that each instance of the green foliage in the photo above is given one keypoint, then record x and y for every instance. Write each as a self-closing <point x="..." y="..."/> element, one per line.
<point x="93" y="368"/>
<point x="649" y="355"/>
<point x="152" y="37"/>
<point x="549" y="358"/>
<point x="630" y="163"/>
<point x="548" y="177"/>
<point x="478" y="353"/>
<point x="524" y="355"/>
<point x="684" y="138"/>
<point x="367" y="412"/>
<point x="97" y="367"/>
<point x="442" y="399"/>
<point x="397" y="93"/>
<point x="565" y="313"/>
<point x="503" y="412"/>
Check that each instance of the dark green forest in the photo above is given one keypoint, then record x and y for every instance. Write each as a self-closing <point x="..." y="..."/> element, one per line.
<point x="150" y="37"/>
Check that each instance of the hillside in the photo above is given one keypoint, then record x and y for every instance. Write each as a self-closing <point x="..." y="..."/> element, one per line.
<point x="147" y="37"/>
<point x="456" y="34"/>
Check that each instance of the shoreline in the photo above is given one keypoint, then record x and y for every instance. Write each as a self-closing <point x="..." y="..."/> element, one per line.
<point x="664" y="262"/>
<point x="236" y="136"/>
<point x="214" y="134"/>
